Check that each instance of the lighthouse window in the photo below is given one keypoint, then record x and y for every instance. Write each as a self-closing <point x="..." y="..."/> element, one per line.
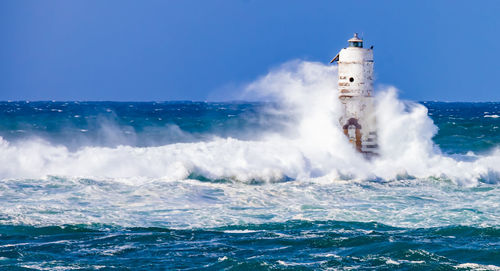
<point x="351" y="79"/>
<point x="356" y="44"/>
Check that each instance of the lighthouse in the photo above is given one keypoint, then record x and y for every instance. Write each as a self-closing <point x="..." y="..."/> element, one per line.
<point x="355" y="86"/>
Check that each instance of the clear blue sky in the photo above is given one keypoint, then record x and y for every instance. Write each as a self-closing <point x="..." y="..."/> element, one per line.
<point x="188" y="50"/>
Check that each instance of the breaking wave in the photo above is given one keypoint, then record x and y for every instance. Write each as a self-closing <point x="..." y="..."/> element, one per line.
<point x="310" y="147"/>
<point x="305" y="169"/>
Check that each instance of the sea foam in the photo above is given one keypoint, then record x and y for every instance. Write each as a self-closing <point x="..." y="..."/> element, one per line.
<point x="305" y="170"/>
<point x="311" y="145"/>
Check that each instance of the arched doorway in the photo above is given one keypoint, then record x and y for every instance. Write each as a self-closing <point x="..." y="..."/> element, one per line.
<point x="352" y="129"/>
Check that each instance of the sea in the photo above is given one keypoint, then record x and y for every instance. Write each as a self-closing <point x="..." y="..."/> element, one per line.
<point x="270" y="184"/>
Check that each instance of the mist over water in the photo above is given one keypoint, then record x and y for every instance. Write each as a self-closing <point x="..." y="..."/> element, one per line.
<point x="280" y="168"/>
<point x="301" y="140"/>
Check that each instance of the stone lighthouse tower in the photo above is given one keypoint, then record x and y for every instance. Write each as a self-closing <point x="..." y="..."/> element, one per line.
<point x="355" y="94"/>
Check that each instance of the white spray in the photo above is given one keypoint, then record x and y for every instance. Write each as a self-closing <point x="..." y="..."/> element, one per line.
<point x="132" y="186"/>
<point x="313" y="146"/>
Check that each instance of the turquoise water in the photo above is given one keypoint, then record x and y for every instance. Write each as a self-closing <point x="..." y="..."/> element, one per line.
<point x="193" y="185"/>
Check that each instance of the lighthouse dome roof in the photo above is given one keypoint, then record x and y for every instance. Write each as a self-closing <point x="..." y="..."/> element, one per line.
<point x="355" y="38"/>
